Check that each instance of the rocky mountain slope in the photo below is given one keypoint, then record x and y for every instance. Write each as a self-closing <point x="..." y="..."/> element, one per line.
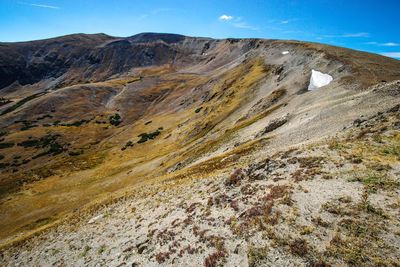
<point x="161" y="149"/>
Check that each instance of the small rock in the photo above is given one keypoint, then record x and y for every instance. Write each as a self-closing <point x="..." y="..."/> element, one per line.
<point x="96" y="218"/>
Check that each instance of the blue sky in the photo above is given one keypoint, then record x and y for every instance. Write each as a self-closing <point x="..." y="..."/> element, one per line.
<point x="368" y="25"/>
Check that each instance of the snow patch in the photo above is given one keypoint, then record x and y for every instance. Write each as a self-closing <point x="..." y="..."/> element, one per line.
<point x="319" y="79"/>
<point x="285" y="52"/>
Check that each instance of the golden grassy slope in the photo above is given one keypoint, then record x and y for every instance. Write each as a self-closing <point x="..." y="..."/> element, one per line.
<point x="66" y="183"/>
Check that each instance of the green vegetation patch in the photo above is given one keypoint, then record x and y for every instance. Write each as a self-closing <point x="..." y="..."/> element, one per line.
<point x="41" y="142"/>
<point x="3" y="165"/>
<point x="28" y="126"/>
<point x="6" y="145"/>
<point x="75" y="153"/>
<point x="392" y="150"/>
<point x="76" y="123"/>
<point x="115" y="119"/>
<point x="149" y="136"/>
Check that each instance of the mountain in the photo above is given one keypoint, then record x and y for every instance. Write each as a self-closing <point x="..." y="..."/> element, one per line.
<point x="163" y="149"/>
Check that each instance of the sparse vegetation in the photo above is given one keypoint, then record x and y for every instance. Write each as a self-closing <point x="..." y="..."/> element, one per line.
<point x="256" y="255"/>
<point x="21" y="102"/>
<point x="47" y="141"/>
<point x="374" y="180"/>
<point x="44" y="117"/>
<point x="4" y="101"/>
<point x="128" y="144"/>
<point x="85" y="251"/>
<point x="392" y="150"/>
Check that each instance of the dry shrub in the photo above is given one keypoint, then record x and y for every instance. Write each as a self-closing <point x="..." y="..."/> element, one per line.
<point x="235" y="178"/>
<point x="162" y="256"/>
<point x="214" y="258"/>
<point x="276" y="192"/>
<point x="299" y="247"/>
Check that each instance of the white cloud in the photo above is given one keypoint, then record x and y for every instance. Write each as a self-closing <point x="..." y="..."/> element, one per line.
<point x="349" y="35"/>
<point x="284" y="21"/>
<point x="225" y="18"/>
<point x="391" y="54"/>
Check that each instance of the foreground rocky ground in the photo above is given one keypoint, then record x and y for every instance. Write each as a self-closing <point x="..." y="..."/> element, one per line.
<point x="335" y="202"/>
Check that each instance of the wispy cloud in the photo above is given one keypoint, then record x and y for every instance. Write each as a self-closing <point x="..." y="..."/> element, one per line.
<point x="225" y="17"/>
<point x="388" y="44"/>
<point x="349" y="35"/>
<point x="45" y="6"/>
<point x="391" y="54"/>
<point x="244" y="25"/>
<point x="156" y="12"/>
<point x="237" y="22"/>
<point x="39" y="5"/>
<point x="285" y="21"/>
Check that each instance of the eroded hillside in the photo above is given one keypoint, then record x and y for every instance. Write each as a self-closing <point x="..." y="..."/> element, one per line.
<point x="160" y="122"/>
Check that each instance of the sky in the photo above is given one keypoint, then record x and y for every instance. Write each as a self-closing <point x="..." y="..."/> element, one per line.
<point x="368" y="25"/>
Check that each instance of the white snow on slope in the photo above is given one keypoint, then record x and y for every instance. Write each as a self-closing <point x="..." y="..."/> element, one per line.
<point x="319" y="79"/>
<point x="285" y="52"/>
